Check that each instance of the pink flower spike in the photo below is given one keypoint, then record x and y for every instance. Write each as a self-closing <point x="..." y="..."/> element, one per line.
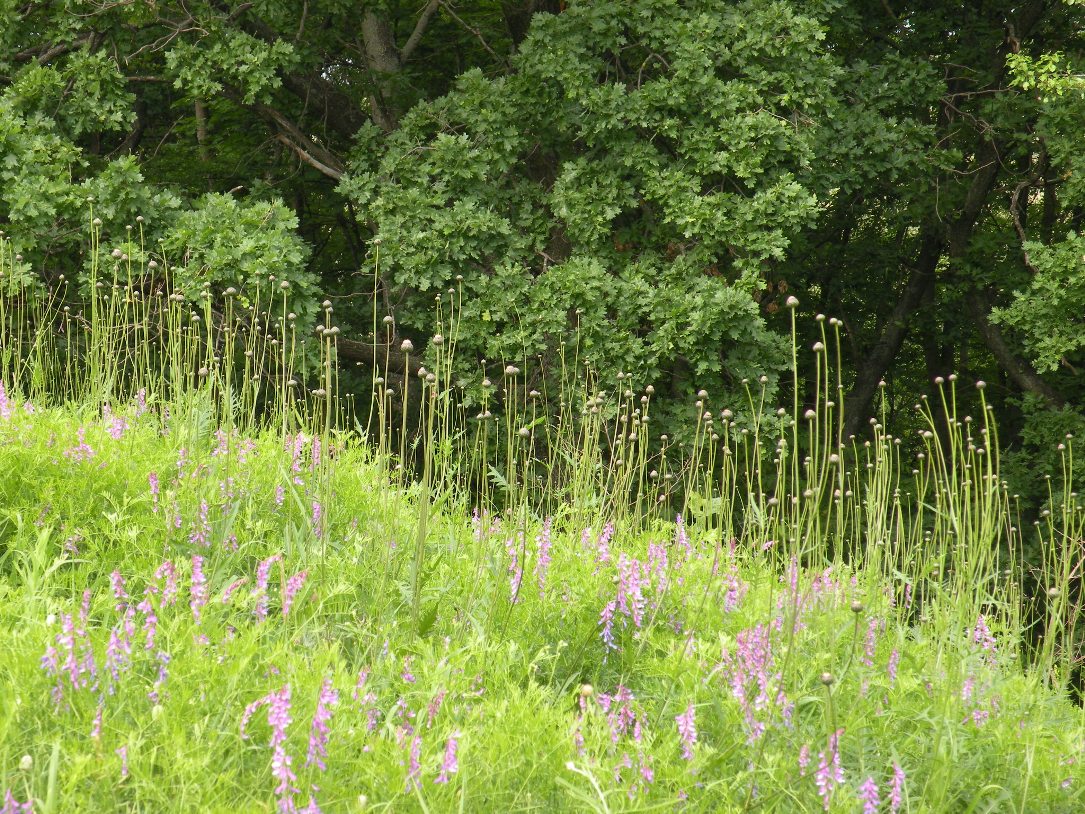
<point x="293" y="585"/>
<point x="450" y="764"/>
<point x="687" y="731"/>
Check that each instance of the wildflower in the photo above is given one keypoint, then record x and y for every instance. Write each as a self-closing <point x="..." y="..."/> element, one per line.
<point x="263" y="573"/>
<point x="318" y="730"/>
<point x="830" y="773"/>
<point x="231" y="588"/>
<point x="5" y="408"/>
<point x="169" y="591"/>
<point x="681" y="538"/>
<point x="434" y="707"/>
<point x="198" y="589"/>
<point x="11" y="805"/>
<point x="891" y="668"/>
<point x="122" y="752"/>
<point x="896" y="789"/>
<point x="515" y="570"/>
<point x="293" y="585"/>
<point x="152" y="479"/>
<point x="81" y="451"/>
<point x="318" y="518"/>
<point x="868" y="793"/>
<point x="450" y="764"/>
<point x="804" y="759"/>
<point x="201" y="531"/>
<point x="871" y="642"/>
<point x="278" y="718"/>
<point x="116" y="581"/>
<point x="542" y="563"/>
<point x="117" y="426"/>
<point x="687" y="731"/>
<point x="96" y="724"/>
<point x="415" y="768"/>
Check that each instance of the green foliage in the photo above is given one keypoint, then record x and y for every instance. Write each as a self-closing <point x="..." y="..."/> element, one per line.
<point x="1050" y="312"/>
<point x="253" y="247"/>
<point x="638" y="171"/>
<point x="230" y="56"/>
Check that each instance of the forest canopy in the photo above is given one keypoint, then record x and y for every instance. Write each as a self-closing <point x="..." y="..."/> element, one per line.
<point x="652" y="180"/>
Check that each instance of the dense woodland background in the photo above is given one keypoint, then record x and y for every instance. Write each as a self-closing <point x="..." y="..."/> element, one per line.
<point x="650" y="179"/>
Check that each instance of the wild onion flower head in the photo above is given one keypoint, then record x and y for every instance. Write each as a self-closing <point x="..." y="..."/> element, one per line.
<point x="687" y="731"/>
<point x="450" y="763"/>
<point x="830" y="773"/>
<point x="318" y="729"/>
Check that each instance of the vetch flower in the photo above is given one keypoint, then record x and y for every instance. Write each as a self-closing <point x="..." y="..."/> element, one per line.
<point x="318" y="730"/>
<point x="687" y="731"/>
<point x="198" y="589"/>
<point x="868" y="793"/>
<point x="450" y="764"/>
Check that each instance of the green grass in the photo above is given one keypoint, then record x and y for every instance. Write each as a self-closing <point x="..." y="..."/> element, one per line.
<point x="520" y="683"/>
<point x="869" y="610"/>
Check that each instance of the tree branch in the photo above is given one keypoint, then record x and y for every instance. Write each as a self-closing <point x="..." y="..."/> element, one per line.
<point x="419" y="29"/>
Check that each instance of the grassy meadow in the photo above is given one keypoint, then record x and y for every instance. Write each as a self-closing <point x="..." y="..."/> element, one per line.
<point x="226" y="587"/>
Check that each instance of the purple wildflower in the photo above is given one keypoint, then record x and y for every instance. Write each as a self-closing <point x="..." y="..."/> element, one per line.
<point x="263" y="573"/>
<point x="293" y="585"/>
<point x="515" y="569"/>
<point x="830" y="773"/>
<point x="896" y="789"/>
<point x="318" y="517"/>
<point x="81" y="451"/>
<point x="891" y="668"/>
<point x="122" y="752"/>
<point x="201" y="532"/>
<point x="415" y="768"/>
<point x="450" y="764"/>
<point x="318" y="730"/>
<point x="198" y="589"/>
<point x="542" y="563"/>
<point x="804" y="759"/>
<point x="278" y="717"/>
<point x="687" y="731"/>
<point x="11" y="805"/>
<point x="116" y="581"/>
<point x="169" y="591"/>
<point x="868" y="793"/>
